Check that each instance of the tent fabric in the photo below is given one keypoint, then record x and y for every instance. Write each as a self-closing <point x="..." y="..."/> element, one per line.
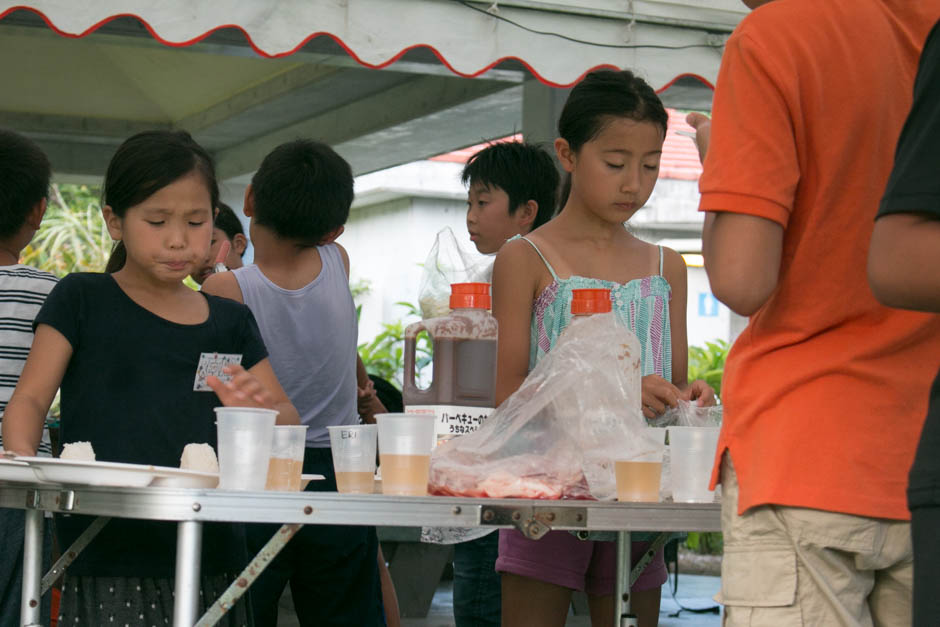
<point x="377" y="33"/>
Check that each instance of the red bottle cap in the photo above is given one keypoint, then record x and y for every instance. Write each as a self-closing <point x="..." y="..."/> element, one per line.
<point x="470" y="296"/>
<point x="590" y="301"/>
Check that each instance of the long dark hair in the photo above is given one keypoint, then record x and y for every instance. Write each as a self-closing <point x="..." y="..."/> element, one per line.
<point x="145" y="164"/>
<point x="599" y="97"/>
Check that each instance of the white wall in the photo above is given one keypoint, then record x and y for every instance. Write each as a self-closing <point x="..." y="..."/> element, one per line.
<point x="387" y="245"/>
<point x="707" y="319"/>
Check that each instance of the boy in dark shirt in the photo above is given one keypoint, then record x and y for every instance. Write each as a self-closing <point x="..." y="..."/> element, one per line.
<point x="512" y="191"/>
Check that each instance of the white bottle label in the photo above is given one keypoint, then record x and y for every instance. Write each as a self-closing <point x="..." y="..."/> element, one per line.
<point x="453" y="420"/>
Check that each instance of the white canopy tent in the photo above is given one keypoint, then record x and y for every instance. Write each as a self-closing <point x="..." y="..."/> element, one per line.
<point x="385" y="81"/>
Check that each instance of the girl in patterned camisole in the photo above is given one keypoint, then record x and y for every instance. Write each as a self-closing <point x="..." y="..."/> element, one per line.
<point x="611" y="131"/>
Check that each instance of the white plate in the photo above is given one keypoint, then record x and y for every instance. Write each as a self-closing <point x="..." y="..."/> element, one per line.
<point x="180" y="478"/>
<point x="14" y="470"/>
<point x="312" y="477"/>
<point x="72" y="471"/>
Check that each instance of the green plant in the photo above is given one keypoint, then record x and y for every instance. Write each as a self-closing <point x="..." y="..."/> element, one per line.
<point x="73" y="236"/>
<point x="360" y="288"/>
<point x="384" y="356"/>
<point x="706" y="543"/>
<point x="708" y="363"/>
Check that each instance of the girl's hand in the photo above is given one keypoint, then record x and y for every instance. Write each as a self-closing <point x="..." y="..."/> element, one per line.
<point x="244" y="390"/>
<point x="658" y="395"/>
<point x="700" y="393"/>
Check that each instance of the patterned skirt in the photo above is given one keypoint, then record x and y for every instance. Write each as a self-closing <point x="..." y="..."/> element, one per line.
<point x="127" y="601"/>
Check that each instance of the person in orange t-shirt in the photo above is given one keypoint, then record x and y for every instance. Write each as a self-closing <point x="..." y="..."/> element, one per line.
<point x="824" y="389"/>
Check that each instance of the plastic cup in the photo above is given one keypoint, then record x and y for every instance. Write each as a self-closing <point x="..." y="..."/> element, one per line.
<point x="287" y="457"/>
<point x="353" y="449"/>
<point x="638" y="477"/>
<point x="245" y="435"/>
<point x="405" y="443"/>
<point x="692" y="455"/>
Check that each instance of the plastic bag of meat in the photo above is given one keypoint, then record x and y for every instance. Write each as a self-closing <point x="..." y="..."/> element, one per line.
<point x="557" y="437"/>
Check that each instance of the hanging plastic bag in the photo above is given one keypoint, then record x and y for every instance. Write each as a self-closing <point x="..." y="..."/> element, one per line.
<point x="559" y="434"/>
<point x="447" y="263"/>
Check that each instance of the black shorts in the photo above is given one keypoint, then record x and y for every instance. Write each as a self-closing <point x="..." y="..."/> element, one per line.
<point x="332" y="570"/>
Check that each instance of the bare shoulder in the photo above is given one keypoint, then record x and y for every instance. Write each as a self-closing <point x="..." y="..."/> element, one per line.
<point x="515" y="249"/>
<point x="345" y="255"/>
<point x="519" y="256"/>
<point x="223" y="284"/>
<point x="674" y="268"/>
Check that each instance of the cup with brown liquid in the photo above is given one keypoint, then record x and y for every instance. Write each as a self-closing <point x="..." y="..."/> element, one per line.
<point x="353" y="448"/>
<point x="405" y="443"/>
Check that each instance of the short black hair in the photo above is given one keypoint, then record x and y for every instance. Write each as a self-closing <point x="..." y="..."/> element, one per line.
<point x="24" y="180"/>
<point x="228" y="222"/>
<point x="302" y="191"/>
<point x="524" y="171"/>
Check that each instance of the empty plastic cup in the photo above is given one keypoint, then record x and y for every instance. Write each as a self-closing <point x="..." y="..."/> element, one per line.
<point x="245" y="435"/>
<point x="287" y="457"/>
<point x="353" y="448"/>
<point x="405" y="443"/>
<point x="691" y="457"/>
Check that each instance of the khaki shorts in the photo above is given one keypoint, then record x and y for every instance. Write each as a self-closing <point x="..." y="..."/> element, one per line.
<point x="790" y="566"/>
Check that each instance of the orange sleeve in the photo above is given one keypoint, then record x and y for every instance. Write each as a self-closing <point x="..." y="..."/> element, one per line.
<point x="751" y="166"/>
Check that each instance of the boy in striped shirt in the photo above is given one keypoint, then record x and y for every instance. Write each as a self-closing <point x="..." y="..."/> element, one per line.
<point x="24" y="185"/>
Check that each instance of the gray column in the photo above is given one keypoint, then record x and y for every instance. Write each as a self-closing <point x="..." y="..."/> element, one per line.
<point x="541" y="107"/>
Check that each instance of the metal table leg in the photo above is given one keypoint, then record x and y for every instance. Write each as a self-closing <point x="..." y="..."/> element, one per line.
<point x="188" y="554"/>
<point x="623" y="617"/>
<point x="71" y="553"/>
<point x="247" y="577"/>
<point x="32" y="569"/>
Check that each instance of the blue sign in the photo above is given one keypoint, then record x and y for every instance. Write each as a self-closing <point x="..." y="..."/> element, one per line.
<point x="707" y="305"/>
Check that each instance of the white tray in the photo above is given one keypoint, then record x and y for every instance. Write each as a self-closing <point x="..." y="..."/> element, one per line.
<point x="180" y="478"/>
<point x="13" y="470"/>
<point x="75" y="472"/>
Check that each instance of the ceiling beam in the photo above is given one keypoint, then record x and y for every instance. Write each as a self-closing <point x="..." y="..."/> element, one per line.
<point x="404" y="102"/>
<point x="474" y="122"/>
<point x="86" y="130"/>
<point x="276" y="87"/>
<point x="73" y="161"/>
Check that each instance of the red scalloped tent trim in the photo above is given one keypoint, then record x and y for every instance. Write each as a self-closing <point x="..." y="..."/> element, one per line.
<point x="697" y="77"/>
<point x="347" y="49"/>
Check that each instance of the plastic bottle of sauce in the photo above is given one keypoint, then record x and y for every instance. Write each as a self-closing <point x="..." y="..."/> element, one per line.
<point x="586" y="302"/>
<point x="463" y="366"/>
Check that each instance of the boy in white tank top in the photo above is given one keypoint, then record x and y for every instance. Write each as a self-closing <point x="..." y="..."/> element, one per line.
<point x="298" y="290"/>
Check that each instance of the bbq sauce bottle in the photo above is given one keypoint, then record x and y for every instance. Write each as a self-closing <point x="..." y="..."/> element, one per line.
<point x="587" y="302"/>
<point x="462" y="393"/>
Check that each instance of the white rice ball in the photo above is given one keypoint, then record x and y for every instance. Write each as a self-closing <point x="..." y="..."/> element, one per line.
<point x="78" y="451"/>
<point x="199" y="457"/>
